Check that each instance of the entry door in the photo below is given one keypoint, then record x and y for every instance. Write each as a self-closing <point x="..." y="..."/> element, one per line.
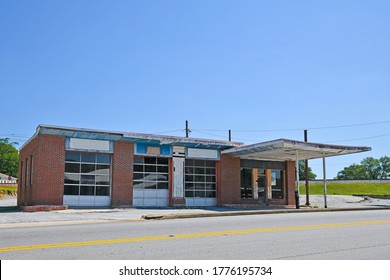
<point x="262" y="185"/>
<point x="178" y="177"/>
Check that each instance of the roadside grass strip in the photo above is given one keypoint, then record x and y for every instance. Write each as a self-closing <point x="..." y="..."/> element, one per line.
<point x="186" y="235"/>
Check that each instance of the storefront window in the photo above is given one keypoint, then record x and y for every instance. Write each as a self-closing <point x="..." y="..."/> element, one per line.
<point x="246" y="183"/>
<point x="277" y="184"/>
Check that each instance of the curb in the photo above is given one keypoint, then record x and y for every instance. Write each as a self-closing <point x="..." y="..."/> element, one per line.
<point x="251" y="212"/>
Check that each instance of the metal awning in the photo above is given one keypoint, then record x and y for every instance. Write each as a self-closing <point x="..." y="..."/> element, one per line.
<point x="285" y="150"/>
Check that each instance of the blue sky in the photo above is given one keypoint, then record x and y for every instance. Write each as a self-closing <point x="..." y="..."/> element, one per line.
<point x="264" y="69"/>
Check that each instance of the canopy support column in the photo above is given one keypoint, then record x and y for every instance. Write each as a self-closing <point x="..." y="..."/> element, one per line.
<point x="324" y="173"/>
<point x="297" y="181"/>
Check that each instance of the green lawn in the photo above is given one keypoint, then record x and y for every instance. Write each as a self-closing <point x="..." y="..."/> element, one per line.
<point x="348" y="189"/>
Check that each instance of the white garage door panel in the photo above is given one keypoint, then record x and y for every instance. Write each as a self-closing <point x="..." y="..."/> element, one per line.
<point x="71" y="200"/>
<point x="150" y="198"/>
<point x="102" y="201"/>
<point x="87" y="201"/>
<point x="201" y="202"/>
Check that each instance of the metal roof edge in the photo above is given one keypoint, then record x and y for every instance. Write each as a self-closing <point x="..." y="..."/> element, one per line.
<point x="144" y="136"/>
<point x="282" y="143"/>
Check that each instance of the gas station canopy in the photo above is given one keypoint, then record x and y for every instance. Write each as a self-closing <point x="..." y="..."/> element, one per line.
<point x="291" y="150"/>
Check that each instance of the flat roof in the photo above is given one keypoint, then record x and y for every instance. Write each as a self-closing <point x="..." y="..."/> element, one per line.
<point x="286" y="149"/>
<point x="132" y="137"/>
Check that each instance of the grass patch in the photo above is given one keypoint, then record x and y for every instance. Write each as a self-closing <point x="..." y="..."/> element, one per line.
<point x="334" y="188"/>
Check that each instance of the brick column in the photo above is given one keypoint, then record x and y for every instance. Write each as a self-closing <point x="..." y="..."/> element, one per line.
<point x="230" y="178"/>
<point x="290" y="182"/>
<point x="122" y="174"/>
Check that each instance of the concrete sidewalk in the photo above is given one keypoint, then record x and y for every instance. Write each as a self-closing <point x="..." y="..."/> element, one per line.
<point x="82" y="216"/>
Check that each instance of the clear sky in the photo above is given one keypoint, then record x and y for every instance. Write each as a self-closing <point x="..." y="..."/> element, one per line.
<point x="264" y="69"/>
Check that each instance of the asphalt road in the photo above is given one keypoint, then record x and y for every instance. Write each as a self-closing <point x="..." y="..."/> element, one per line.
<point x="334" y="235"/>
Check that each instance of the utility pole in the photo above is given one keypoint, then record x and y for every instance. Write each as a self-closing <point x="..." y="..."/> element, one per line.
<point x="187" y="130"/>
<point x="307" y="174"/>
<point x="230" y="135"/>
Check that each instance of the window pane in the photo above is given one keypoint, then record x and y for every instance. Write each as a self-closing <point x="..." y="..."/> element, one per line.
<point x="150" y="160"/>
<point x="88" y="157"/>
<point x="138" y="168"/>
<point x="189" y="170"/>
<point x="210" y="194"/>
<point x="150" y="168"/>
<point x="210" y="171"/>
<point x="210" y="163"/>
<point x="199" y="186"/>
<point x="162" y="161"/>
<point x="103" y="169"/>
<point x="138" y="176"/>
<point x="189" y="186"/>
<point x="88" y="179"/>
<point x="102" y="180"/>
<point x="71" y="190"/>
<point x="210" y="186"/>
<point x="199" y="163"/>
<point x="189" y="178"/>
<point x="150" y="185"/>
<point x="103" y="158"/>
<point x="162" y="169"/>
<point x="162" y="186"/>
<point x="72" y="179"/>
<point x="200" y="194"/>
<point x="138" y="185"/>
<point x="200" y="178"/>
<point x="138" y="160"/>
<point x="189" y="194"/>
<point x="72" y="167"/>
<point x="210" y="179"/>
<point x="72" y="156"/>
<point x="161" y="177"/>
<point x="150" y="177"/>
<point x="87" y="190"/>
<point x="189" y="162"/>
<point x="102" y="191"/>
<point x="88" y="168"/>
<point x="199" y="171"/>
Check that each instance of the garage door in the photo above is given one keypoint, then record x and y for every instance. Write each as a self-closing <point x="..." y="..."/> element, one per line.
<point x="200" y="183"/>
<point x="151" y="182"/>
<point x="87" y="179"/>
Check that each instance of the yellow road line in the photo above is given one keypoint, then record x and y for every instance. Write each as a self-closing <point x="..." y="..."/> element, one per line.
<point x="188" y="235"/>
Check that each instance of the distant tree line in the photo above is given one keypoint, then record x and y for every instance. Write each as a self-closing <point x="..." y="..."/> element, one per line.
<point x="368" y="169"/>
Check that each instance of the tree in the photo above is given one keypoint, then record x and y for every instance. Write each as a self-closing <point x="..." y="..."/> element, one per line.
<point x="353" y="172"/>
<point x="9" y="157"/>
<point x="302" y="173"/>
<point x="368" y="169"/>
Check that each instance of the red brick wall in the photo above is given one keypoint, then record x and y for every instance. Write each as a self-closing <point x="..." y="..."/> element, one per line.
<point x="47" y="186"/>
<point x="290" y="182"/>
<point x="122" y="174"/>
<point x="230" y="192"/>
